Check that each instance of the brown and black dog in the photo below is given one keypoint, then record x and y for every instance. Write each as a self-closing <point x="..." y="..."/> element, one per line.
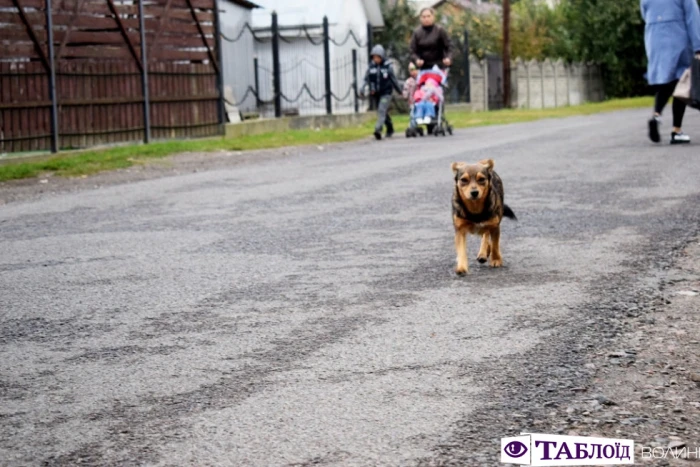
<point x="478" y="208"/>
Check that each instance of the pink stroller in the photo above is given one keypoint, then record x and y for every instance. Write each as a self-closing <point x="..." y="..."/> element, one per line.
<point x="429" y="105"/>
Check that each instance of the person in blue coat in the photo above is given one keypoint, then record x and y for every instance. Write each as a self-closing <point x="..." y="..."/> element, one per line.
<point x="671" y="38"/>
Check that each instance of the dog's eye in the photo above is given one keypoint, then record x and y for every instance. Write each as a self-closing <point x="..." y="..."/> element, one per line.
<point x="464" y="181"/>
<point x="481" y="180"/>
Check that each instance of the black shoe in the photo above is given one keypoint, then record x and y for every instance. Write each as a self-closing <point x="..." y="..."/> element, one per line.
<point x="389" y="132"/>
<point x="654" y="135"/>
<point x="679" y="138"/>
<point x="378" y="134"/>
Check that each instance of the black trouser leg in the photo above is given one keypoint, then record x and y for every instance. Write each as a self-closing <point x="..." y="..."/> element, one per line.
<point x="663" y="94"/>
<point x="678" y="112"/>
<point x="389" y="123"/>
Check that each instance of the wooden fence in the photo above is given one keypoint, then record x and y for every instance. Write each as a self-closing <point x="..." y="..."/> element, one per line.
<point x="78" y="73"/>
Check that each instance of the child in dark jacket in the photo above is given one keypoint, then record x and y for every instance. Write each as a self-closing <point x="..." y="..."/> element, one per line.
<point x="381" y="80"/>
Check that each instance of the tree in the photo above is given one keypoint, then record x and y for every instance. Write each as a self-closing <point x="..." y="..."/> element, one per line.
<point x="399" y="22"/>
<point x="607" y="32"/>
<point x="610" y="33"/>
<point x="531" y="30"/>
<point x="485" y="32"/>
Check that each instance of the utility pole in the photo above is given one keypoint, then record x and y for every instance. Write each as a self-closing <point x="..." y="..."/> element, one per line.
<point x="506" y="54"/>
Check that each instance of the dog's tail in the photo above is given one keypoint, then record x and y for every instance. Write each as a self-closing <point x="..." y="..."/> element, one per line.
<point x="508" y="212"/>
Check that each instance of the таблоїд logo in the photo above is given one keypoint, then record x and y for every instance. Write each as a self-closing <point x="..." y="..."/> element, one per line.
<point x="558" y="450"/>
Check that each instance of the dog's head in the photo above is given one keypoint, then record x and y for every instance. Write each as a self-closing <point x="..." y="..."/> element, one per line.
<point x="473" y="181"/>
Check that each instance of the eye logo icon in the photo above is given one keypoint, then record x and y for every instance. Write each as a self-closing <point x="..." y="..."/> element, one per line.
<point x="515" y="449"/>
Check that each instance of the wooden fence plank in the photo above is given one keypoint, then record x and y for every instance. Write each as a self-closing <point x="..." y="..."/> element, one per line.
<point x="18" y="32"/>
<point x="98" y="86"/>
<point x="98" y="23"/>
<point x="93" y="8"/>
<point x="181" y="14"/>
<point x="18" y="50"/>
<point x="25" y="3"/>
<point x="199" y="4"/>
<point x="90" y="51"/>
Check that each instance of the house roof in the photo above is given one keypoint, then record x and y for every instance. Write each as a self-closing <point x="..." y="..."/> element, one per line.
<point x="304" y="12"/>
<point x="374" y="13"/>
<point x="245" y="4"/>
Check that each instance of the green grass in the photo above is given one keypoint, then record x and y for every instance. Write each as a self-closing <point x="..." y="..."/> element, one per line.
<point x="94" y="161"/>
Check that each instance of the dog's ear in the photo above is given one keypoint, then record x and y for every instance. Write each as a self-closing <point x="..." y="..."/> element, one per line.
<point x="488" y="163"/>
<point x="456" y="166"/>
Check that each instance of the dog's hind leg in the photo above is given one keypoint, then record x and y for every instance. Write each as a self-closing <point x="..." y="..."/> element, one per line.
<point x="485" y="249"/>
<point x="496" y="260"/>
<point x="461" y="247"/>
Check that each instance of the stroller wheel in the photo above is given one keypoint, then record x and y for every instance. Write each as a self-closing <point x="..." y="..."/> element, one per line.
<point x="420" y="132"/>
<point x="449" y="130"/>
<point x="408" y="133"/>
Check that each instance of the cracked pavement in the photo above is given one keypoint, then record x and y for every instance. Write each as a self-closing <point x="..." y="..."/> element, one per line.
<point x="302" y="309"/>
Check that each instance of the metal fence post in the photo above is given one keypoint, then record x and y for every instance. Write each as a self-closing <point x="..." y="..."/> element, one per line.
<point x="467" y="71"/>
<point x="506" y="54"/>
<point x="369" y="55"/>
<point x="354" y="79"/>
<point x="327" y="65"/>
<point x="220" y="72"/>
<point x="144" y="79"/>
<point x="276" y="81"/>
<point x="257" y="83"/>
<point x="369" y="41"/>
<point x="52" y="79"/>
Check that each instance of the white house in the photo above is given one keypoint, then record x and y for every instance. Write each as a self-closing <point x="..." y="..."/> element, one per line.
<point x="238" y="51"/>
<point x="301" y="50"/>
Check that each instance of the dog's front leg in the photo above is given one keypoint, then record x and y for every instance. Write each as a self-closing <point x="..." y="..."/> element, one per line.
<point x="496" y="260"/>
<point x="461" y="247"/>
<point x="485" y="249"/>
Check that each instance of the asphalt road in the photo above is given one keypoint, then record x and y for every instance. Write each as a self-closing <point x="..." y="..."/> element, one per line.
<point x="304" y="310"/>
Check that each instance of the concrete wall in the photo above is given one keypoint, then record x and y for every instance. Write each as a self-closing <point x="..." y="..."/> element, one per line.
<point x="258" y="127"/>
<point x="537" y="85"/>
<point x="478" y="83"/>
<point x="555" y="84"/>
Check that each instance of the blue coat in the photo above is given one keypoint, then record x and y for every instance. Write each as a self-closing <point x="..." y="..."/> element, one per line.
<point x="671" y="35"/>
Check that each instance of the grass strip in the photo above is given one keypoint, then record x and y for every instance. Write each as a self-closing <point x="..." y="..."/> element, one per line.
<point x="79" y="163"/>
